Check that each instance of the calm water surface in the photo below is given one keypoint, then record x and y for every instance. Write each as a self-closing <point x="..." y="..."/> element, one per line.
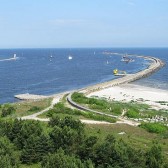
<point x="48" y="71"/>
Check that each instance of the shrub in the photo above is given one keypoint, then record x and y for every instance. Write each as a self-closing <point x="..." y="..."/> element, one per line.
<point x="154" y="127"/>
<point x="132" y="113"/>
<point x="7" y="110"/>
<point x="34" y="108"/>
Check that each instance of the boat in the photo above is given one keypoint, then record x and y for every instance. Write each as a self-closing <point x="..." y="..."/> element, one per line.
<point x="70" y="57"/>
<point x="127" y="59"/>
<point x="117" y="72"/>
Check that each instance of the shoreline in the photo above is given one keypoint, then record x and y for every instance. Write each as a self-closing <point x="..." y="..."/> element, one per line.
<point x="156" y="98"/>
<point x="155" y="65"/>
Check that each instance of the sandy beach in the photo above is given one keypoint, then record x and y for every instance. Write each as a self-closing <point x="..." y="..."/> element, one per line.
<point x="156" y="98"/>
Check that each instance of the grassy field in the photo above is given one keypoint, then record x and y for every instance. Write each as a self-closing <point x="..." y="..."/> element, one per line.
<point x="135" y="136"/>
<point x="27" y="107"/>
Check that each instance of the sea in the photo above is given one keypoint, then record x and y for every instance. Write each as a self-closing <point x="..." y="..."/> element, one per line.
<point x="50" y="71"/>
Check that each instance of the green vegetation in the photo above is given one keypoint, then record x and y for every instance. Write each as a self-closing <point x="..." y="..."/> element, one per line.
<point x="7" y="109"/>
<point x="132" y="113"/>
<point x="154" y="127"/>
<point x="64" y="142"/>
<point x="60" y="110"/>
<point x="98" y="104"/>
<point x="131" y="109"/>
<point x="23" y="108"/>
<point x="34" y="109"/>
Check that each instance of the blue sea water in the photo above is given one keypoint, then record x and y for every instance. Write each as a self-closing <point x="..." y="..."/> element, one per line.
<point x="49" y="71"/>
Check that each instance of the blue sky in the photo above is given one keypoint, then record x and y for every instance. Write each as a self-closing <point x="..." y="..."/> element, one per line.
<point x="83" y="23"/>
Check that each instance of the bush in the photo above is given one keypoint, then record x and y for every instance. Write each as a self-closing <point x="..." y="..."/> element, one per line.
<point x="154" y="127"/>
<point x="7" y="110"/>
<point x="34" y="108"/>
<point x="132" y="113"/>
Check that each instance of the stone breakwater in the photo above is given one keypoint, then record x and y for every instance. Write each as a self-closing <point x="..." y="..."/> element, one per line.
<point x="155" y="65"/>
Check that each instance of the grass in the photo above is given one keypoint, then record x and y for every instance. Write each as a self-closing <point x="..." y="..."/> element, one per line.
<point x="135" y="136"/>
<point x="27" y="107"/>
<point x="154" y="127"/>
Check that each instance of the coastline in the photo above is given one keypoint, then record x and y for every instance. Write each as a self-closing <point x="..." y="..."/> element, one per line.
<point x="155" y="65"/>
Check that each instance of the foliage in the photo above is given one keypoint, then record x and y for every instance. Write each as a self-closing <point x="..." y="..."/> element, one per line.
<point x="9" y="157"/>
<point x="67" y="133"/>
<point x="132" y="113"/>
<point x="154" y="127"/>
<point x="113" y="153"/>
<point x="63" y="142"/>
<point x="154" y="157"/>
<point x="61" y="160"/>
<point x="59" y="108"/>
<point x="36" y="148"/>
<point x="7" y="109"/>
<point x="98" y="104"/>
<point x="34" y="109"/>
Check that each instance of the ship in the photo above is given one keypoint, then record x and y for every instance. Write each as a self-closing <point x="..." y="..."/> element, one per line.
<point x="127" y="59"/>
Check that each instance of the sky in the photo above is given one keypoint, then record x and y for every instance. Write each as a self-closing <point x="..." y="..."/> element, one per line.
<point x="83" y="23"/>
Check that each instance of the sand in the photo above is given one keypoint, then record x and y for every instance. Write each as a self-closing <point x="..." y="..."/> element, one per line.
<point x="131" y="92"/>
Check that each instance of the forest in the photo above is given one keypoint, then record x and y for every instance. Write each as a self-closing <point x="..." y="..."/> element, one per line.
<point x="64" y="142"/>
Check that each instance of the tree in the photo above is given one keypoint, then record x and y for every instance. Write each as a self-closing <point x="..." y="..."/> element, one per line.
<point x="154" y="157"/>
<point x="116" y="153"/>
<point x="66" y="138"/>
<point x="60" y="160"/>
<point x="36" y="147"/>
<point x="86" y="151"/>
<point x="7" y="110"/>
<point x="9" y="157"/>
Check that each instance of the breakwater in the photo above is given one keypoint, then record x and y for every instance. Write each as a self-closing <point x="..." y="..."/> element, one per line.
<point x="155" y="65"/>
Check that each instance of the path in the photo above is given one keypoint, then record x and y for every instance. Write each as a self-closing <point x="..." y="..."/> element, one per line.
<point x="34" y="116"/>
<point x="121" y="119"/>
